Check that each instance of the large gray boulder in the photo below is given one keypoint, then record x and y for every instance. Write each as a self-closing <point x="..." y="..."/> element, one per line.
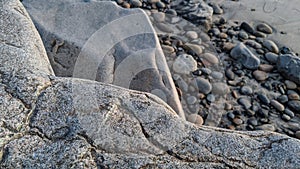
<point x="104" y="42"/>
<point x="52" y="122"/>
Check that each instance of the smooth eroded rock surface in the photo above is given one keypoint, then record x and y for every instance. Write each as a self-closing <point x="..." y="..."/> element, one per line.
<point x="84" y="39"/>
<point x="52" y="122"/>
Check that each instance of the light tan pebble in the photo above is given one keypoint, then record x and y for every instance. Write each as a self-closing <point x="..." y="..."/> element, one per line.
<point x="260" y="75"/>
<point x="196" y="119"/>
<point x="167" y="49"/>
<point x="290" y="85"/>
<point x="266" y="67"/>
<point x="228" y="106"/>
<point x="196" y="48"/>
<point x="209" y="59"/>
<point x="237" y="121"/>
<point x="153" y="1"/>
<point x="191" y="34"/>
<point x="228" y="46"/>
<point x="234" y="94"/>
<point x="125" y="5"/>
<point x="277" y="105"/>
<point x="223" y="35"/>
<point x="293" y="96"/>
<point x="231" y="127"/>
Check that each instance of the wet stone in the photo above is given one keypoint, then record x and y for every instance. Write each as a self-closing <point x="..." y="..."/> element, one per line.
<point x="136" y="3"/>
<point x="271" y="46"/>
<point x="229" y="74"/>
<point x="286" y="117"/>
<point x="263" y="27"/>
<point x="271" y="57"/>
<point x="243" y="35"/>
<point x="260" y="75"/>
<point x="204" y="85"/>
<point x="283" y="98"/>
<point x="241" y="53"/>
<point x="277" y="105"/>
<point x="230" y="115"/>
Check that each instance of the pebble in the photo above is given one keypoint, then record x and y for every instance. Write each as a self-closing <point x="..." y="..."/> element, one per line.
<point x="191" y="34"/>
<point x="230" y="115"/>
<point x="196" y="48"/>
<point x="167" y="49"/>
<point x="206" y="71"/>
<point x="245" y="102"/>
<point x="220" y="88"/>
<point x="246" y="90"/>
<point x="263" y="98"/>
<point x="203" y="85"/>
<point x="263" y="27"/>
<point x="297" y="134"/>
<point x="253" y="44"/>
<point x="294" y="105"/>
<point x="260" y="75"/>
<point x="277" y="105"/>
<point x="289" y="65"/>
<point x="223" y="35"/>
<point x="228" y="106"/>
<point x="253" y="121"/>
<point x="290" y="85"/>
<point x="229" y="74"/>
<point x="292" y="95"/>
<point x="247" y="27"/>
<point x="196" y="119"/>
<point x="237" y="121"/>
<point x="136" y="3"/>
<point x="160" y="4"/>
<point x="259" y="34"/>
<point x="245" y="56"/>
<point x="286" y="117"/>
<point x="191" y="100"/>
<point x="211" y="98"/>
<point x="184" y="64"/>
<point x="228" y="46"/>
<point x="267" y="127"/>
<point x="289" y="113"/>
<point x="217" y="75"/>
<point x="153" y="1"/>
<point x="266" y="67"/>
<point x="125" y="5"/>
<point x="209" y="59"/>
<point x="271" y="57"/>
<point x="243" y="35"/>
<point x="271" y="46"/>
<point x="283" y="99"/>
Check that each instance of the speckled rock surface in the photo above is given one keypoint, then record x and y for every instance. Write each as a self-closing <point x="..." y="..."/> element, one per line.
<point x="52" y="122"/>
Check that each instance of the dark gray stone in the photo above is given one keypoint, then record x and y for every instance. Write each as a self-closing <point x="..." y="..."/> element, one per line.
<point x="289" y="67"/>
<point x="245" y="56"/>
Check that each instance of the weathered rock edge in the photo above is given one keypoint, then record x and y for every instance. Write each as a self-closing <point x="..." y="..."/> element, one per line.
<point x="45" y="124"/>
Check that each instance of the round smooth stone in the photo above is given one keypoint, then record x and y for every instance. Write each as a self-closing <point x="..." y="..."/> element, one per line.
<point x="196" y="48"/>
<point x="220" y="88"/>
<point x="136" y="3"/>
<point x="271" y="46"/>
<point x="211" y="98"/>
<point x="237" y="121"/>
<point x="297" y="134"/>
<point x="153" y="1"/>
<point x="271" y="57"/>
<point x="263" y="98"/>
<point x="290" y="84"/>
<point x="204" y="85"/>
<point x="245" y="103"/>
<point x="286" y="117"/>
<point x="246" y="90"/>
<point x="159" y="16"/>
<point x="209" y="59"/>
<point x="216" y="75"/>
<point x="263" y="27"/>
<point x="289" y="113"/>
<point x="191" y="34"/>
<point x="277" y="105"/>
<point x="243" y="35"/>
<point x="191" y="100"/>
<point x="160" y="4"/>
<point x="196" y="119"/>
<point x="229" y="74"/>
<point x="260" y="75"/>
